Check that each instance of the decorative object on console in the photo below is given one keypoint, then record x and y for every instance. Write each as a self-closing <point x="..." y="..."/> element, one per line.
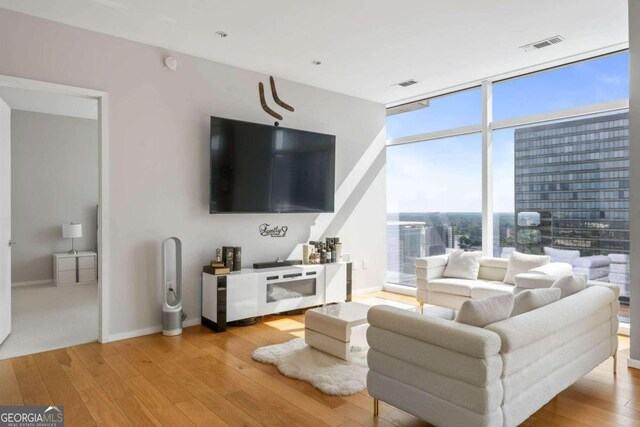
<point x="217" y="260"/>
<point x="307" y="250"/>
<point x="216" y="271"/>
<point x="72" y="231"/>
<point x="237" y="258"/>
<point x="227" y="256"/>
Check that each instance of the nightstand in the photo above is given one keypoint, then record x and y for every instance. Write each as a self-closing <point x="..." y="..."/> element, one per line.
<point x="70" y="269"/>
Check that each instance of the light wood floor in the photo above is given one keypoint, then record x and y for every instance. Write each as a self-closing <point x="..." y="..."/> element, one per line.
<point x="207" y="379"/>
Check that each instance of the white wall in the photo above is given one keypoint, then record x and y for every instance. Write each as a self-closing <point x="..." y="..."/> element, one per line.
<point x="634" y="139"/>
<point x="158" y="128"/>
<point x="48" y="190"/>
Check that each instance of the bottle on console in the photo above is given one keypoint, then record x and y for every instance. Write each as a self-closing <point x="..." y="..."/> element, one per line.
<point x="329" y="259"/>
<point x="323" y="254"/>
<point x="334" y="253"/>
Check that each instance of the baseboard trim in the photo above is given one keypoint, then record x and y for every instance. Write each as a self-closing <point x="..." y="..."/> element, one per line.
<point x="31" y="283"/>
<point x="367" y="290"/>
<point x="152" y="330"/>
<point x="633" y="363"/>
<point x="400" y="289"/>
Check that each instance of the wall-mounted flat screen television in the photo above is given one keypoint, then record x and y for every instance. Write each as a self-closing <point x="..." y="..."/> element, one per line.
<point x="259" y="168"/>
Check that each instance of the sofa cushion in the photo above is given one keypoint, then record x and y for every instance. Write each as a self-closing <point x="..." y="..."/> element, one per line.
<point x="482" y="312"/>
<point x="489" y="289"/>
<point x="521" y="263"/>
<point x="571" y="284"/>
<point x="453" y="286"/>
<point x="534" y="298"/>
<point x="534" y="281"/>
<point x="463" y="265"/>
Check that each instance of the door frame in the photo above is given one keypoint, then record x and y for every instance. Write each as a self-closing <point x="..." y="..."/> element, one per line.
<point x="104" y="242"/>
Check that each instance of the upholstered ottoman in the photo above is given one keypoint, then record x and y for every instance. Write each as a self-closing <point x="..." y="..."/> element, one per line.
<point x="330" y="328"/>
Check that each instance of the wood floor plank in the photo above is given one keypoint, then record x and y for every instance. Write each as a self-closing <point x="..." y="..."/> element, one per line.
<point x="111" y="384"/>
<point x="121" y="366"/>
<point x="103" y="411"/>
<point x="199" y="414"/>
<point x="32" y="388"/>
<point x="136" y="413"/>
<point x="9" y="388"/>
<point x="156" y="402"/>
<point x="76" y="371"/>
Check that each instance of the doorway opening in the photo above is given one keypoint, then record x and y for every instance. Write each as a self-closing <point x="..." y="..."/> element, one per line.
<point x="52" y="222"/>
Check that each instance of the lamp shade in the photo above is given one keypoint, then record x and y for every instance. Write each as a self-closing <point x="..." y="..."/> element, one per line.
<point x="71" y="231"/>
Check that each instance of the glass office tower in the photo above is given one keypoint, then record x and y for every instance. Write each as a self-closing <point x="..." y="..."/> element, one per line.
<point x="574" y="177"/>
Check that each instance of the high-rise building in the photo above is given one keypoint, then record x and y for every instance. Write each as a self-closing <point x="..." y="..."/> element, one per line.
<point x="405" y="243"/>
<point x="438" y="239"/>
<point x="575" y="175"/>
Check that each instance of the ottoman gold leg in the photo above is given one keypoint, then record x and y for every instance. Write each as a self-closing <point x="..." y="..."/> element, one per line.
<point x="376" y="407"/>
<point x="421" y="306"/>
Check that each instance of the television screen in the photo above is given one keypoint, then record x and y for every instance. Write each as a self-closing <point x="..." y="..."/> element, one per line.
<point x="259" y="168"/>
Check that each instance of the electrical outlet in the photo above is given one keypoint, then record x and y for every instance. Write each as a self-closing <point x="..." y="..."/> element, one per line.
<point x="365" y="264"/>
<point x="354" y="265"/>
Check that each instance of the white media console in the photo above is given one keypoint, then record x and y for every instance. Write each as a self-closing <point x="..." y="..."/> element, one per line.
<point x="251" y="293"/>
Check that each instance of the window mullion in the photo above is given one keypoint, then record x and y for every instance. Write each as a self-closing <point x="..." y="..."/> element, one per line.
<point x="487" y="168"/>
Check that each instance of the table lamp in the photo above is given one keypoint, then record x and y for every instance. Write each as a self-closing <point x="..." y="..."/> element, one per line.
<point x="72" y="231"/>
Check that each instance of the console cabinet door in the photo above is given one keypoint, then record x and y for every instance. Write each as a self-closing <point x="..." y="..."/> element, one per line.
<point x="242" y="296"/>
<point x="336" y="282"/>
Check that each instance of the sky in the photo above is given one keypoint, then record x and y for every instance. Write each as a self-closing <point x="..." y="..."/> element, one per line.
<point x="445" y="175"/>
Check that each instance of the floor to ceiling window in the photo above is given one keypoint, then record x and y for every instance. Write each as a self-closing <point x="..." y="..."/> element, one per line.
<point x="434" y="183"/>
<point x="559" y="145"/>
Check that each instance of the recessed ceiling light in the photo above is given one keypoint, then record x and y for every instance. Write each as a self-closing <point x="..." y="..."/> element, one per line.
<point x="316" y="62"/>
<point x="221" y="34"/>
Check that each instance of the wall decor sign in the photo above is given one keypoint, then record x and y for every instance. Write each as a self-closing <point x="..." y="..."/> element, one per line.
<point x="267" y="230"/>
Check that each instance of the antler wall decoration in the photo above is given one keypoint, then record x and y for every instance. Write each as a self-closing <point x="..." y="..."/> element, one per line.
<point x="276" y="98"/>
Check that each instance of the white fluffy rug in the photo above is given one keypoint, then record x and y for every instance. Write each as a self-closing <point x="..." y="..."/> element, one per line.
<point x="330" y="375"/>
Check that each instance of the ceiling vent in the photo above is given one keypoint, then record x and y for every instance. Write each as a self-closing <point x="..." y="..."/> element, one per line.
<point x="542" y="43"/>
<point x="406" y="83"/>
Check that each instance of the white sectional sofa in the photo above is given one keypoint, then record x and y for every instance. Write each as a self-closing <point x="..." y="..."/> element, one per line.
<point x="433" y="288"/>
<point x="454" y="374"/>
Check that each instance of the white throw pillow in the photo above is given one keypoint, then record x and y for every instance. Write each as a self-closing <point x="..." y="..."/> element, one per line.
<point x="521" y="263"/>
<point x="463" y="265"/>
<point x="481" y="312"/>
<point x="532" y="299"/>
<point x="571" y="284"/>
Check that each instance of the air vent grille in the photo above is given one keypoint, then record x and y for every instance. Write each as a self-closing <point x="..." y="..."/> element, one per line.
<point x="542" y="43"/>
<point x="406" y="83"/>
